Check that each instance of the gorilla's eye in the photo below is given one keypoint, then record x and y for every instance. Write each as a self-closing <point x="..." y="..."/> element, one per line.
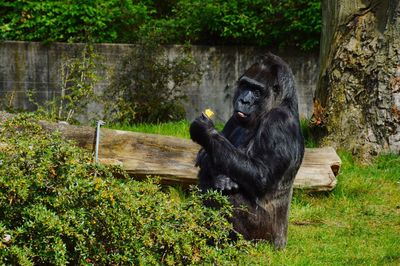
<point x="257" y="93"/>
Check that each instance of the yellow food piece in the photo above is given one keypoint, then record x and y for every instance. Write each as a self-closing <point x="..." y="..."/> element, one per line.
<point x="209" y="113"/>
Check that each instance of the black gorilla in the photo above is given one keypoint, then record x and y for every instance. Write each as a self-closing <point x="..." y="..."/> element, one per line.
<point x="255" y="158"/>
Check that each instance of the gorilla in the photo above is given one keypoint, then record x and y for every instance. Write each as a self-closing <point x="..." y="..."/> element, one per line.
<point x="255" y="158"/>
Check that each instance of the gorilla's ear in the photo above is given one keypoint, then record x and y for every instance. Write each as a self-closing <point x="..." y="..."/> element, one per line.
<point x="285" y="80"/>
<point x="276" y="89"/>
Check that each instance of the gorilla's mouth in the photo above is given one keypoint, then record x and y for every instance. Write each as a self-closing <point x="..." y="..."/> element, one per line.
<point x="241" y="115"/>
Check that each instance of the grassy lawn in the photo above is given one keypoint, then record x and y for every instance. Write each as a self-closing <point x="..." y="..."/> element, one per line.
<point x="177" y="129"/>
<point x="356" y="224"/>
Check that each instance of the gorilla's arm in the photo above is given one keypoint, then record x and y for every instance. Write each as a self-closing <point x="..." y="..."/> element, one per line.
<point x="264" y="163"/>
<point x="229" y="127"/>
<point x="208" y="175"/>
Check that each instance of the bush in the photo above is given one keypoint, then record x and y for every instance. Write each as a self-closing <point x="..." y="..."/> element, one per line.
<point x="246" y="22"/>
<point x="57" y="207"/>
<point x="150" y="87"/>
<point x="280" y="24"/>
<point x="78" y="77"/>
<point x="71" y="21"/>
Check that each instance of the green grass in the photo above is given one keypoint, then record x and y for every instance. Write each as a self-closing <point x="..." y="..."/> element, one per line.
<point x="177" y="129"/>
<point x="309" y="140"/>
<point x="181" y="129"/>
<point x="358" y="223"/>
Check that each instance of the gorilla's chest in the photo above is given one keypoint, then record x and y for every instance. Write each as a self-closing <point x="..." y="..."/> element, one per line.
<point x="240" y="137"/>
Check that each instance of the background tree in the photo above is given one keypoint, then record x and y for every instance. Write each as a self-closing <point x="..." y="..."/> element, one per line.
<point x="358" y="96"/>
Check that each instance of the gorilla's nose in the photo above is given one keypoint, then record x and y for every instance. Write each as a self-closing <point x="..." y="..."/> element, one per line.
<point x="244" y="101"/>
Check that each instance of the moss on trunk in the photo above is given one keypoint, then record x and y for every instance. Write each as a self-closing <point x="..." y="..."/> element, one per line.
<point x="360" y="75"/>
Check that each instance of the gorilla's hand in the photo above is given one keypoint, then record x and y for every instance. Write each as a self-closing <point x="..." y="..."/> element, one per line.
<point x="200" y="130"/>
<point x="226" y="184"/>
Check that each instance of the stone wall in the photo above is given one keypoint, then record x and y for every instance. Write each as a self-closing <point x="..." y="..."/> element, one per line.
<point x="28" y="66"/>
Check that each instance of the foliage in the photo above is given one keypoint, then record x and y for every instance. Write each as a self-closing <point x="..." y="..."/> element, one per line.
<point x="57" y="207"/>
<point x="70" y="21"/>
<point x="77" y="88"/>
<point x="247" y="22"/>
<point x="250" y="22"/>
<point x="150" y="87"/>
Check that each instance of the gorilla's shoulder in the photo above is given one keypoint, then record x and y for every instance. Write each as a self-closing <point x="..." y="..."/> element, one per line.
<point x="278" y="115"/>
<point x="279" y="124"/>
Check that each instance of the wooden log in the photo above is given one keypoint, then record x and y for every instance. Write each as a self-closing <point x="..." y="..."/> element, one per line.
<point x="172" y="159"/>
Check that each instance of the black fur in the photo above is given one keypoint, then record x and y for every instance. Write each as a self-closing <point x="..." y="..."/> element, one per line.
<point x="255" y="158"/>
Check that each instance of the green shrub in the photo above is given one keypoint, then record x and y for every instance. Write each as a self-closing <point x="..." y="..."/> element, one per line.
<point x="280" y="24"/>
<point x="57" y="207"/>
<point x="246" y="22"/>
<point x="71" y="21"/>
<point x="150" y="87"/>
<point x="78" y="77"/>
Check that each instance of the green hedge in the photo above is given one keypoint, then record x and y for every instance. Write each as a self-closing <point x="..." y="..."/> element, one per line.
<point x="57" y="207"/>
<point x="245" y="22"/>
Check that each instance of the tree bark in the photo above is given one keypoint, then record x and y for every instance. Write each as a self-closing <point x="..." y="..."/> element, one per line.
<point x="357" y="101"/>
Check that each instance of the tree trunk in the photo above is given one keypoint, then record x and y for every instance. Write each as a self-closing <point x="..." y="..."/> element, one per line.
<point x="357" y="101"/>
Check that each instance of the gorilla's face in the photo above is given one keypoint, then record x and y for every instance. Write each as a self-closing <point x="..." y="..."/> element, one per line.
<point x="256" y="94"/>
<point x="250" y="93"/>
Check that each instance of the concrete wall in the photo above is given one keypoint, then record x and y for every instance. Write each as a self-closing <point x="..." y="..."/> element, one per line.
<point x="33" y="66"/>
